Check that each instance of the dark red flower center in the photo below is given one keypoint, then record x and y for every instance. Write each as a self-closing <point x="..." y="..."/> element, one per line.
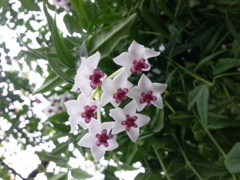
<point x="138" y="66"/>
<point x="103" y="138"/>
<point x="96" y="78"/>
<point x="147" y="97"/>
<point x="90" y="112"/>
<point x="130" y="122"/>
<point x="120" y="95"/>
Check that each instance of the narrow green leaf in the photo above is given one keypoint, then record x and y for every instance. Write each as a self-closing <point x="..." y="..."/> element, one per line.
<point x="157" y="122"/>
<point x="50" y="83"/>
<point x="59" y="176"/>
<point x="192" y="96"/>
<point x="231" y="27"/>
<point x="60" y="117"/>
<point x="48" y="16"/>
<point x="78" y="173"/>
<point x="72" y="24"/>
<point x="232" y="160"/>
<point x="165" y="8"/>
<point x="61" y="148"/>
<point x="62" y="51"/>
<point x="131" y="152"/>
<point x="154" y="22"/>
<point x="79" y="7"/>
<point x="108" y="38"/>
<point x="225" y="64"/>
<point x="59" y="68"/>
<point x="202" y="104"/>
<point x="207" y="59"/>
<point x="181" y="118"/>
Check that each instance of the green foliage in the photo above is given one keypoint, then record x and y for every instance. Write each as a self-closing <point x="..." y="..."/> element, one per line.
<point x="196" y="135"/>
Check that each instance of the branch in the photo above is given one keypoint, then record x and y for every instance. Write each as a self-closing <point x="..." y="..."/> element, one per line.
<point x="11" y="169"/>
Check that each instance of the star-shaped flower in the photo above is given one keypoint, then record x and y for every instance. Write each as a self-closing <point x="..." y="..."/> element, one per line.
<point x="147" y="93"/>
<point x="136" y="59"/>
<point x="115" y="90"/>
<point x="89" y="76"/>
<point x="128" y="120"/>
<point x="99" y="139"/>
<point x="82" y="111"/>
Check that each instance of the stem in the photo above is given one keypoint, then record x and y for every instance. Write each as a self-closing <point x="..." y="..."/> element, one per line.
<point x="218" y="147"/>
<point x="169" y="107"/>
<point x="99" y="117"/>
<point x="190" y="73"/>
<point x="188" y="163"/>
<point x="115" y="73"/>
<point x="161" y="163"/>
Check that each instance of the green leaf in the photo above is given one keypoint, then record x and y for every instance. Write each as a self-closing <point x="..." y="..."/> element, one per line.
<point x="72" y="24"/>
<point x="225" y="64"/>
<point x="108" y="38"/>
<point x="157" y="122"/>
<point x="58" y="159"/>
<point x="202" y="104"/>
<point x="199" y="96"/>
<point x="59" y="176"/>
<point x="62" y="51"/>
<point x="131" y="152"/>
<point x="181" y="118"/>
<point x="192" y="96"/>
<point x="30" y="5"/>
<point x="48" y="16"/>
<point x="50" y="83"/>
<point x="207" y="59"/>
<point x="60" y="117"/>
<point x="3" y="3"/>
<point x="155" y="23"/>
<point x="232" y="160"/>
<point x="78" y="173"/>
<point x="59" y="68"/>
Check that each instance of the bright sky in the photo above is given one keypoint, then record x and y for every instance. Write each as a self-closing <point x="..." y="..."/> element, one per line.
<point x="26" y="161"/>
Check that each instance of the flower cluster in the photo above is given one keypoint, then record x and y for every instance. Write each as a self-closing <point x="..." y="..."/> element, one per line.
<point x="66" y="4"/>
<point x="97" y="89"/>
<point x="56" y="104"/>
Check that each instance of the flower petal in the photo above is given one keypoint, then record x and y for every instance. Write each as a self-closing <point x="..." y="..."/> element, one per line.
<point x="144" y="83"/>
<point x="93" y="60"/>
<point x="72" y="106"/>
<point x="118" y="127"/>
<point x="136" y="50"/>
<point x="98" y="152"/>
<point x="95" y="127"/>
<point x="133" y="133"/>
<point x="86" y="89"/>
<point x="148" y="53"/>
<point x="74" y="121"/>
<point x="108" y="126"/>
<point x="87" y="141"/>
<point x="117" y="114"/>
<point x="124" y="59"/>
<point x="160" y="88"/>
<point x="112" y="144"/>
<point x="130" y="108"/>
<point x="158" y="103"/>
<point x="142" y="120"/>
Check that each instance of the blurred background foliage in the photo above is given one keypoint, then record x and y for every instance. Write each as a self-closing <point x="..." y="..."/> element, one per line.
<point x="195" y="136"/>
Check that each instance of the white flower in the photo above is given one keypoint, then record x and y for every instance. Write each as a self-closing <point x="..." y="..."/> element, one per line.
<point x="136" y="59"/>
<point x="58" y="3"/>
<point x="49" y="111"/>
<point x="115" y="90"/>
<point x="128" y="120"/>
<point x="89" y="76"/>
<point x="82" y="111"/>
<point x="99" y="139"/>
<point x="147" y="93"/>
